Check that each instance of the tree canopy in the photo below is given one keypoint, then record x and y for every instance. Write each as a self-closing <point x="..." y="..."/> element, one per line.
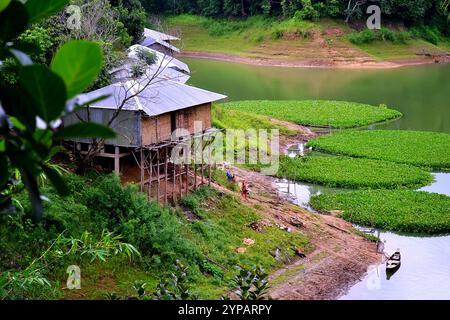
<point x="411" y="12"/>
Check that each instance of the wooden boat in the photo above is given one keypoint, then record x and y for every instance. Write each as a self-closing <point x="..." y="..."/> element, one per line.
<point x="394" y="262"/>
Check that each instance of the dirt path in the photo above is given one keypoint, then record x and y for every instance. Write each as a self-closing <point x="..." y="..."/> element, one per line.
<point x="340" y="257"/>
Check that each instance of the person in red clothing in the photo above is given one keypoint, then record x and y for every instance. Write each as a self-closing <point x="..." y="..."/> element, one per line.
<point x="244" y="189"/>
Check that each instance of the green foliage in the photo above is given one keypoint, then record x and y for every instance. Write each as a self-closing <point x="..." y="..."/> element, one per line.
<point x="387" y="35"/>
<point x="423" y="149"/>
<point x="40" y="40"/>
<point x="162" y="236"/>
<point x="78" y="63"/>
<point x="308" y="12"/>
<point x="251" y="283"/>
<point x="146" y="56"/>
<point x="33" y="282"/>
<point x="396" y="210"/>
<point x="355" y="173"/>
<point x="335" y="114"/>
<point x="177" y="286"/>
<point x="132" y="15"/>
<point x="430" y="34"/>
<point x="38" y="9"/>
<point x="38" y="92"/>
<point x="86" y="246"/>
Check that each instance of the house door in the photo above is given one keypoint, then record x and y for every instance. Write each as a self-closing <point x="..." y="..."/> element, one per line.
<point x="173" y="122"/>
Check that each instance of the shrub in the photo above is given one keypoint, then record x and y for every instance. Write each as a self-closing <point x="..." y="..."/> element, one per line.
<point x="369" y="36"/>
<point x="308" y="12"/>
<point x="430" y="34"/>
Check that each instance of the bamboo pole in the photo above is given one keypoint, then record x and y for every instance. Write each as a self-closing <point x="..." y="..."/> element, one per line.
<point x="142" y="169"/>
<point x="186" y="168"/>
<point x="166" y="163"/>
<point x="150" y="165"/>
<point x="158" y="173"/>
<point x="203" y="162"/>
<point x="174" y="181"/>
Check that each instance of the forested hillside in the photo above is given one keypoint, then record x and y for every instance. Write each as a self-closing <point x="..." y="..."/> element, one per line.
<point x="411" y="12"/>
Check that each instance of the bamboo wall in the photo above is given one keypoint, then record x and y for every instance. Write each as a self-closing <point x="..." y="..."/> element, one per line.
<point x="159" y="129"/>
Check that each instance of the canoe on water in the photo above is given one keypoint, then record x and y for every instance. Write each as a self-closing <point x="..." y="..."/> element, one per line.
<point x="394" y="262"/>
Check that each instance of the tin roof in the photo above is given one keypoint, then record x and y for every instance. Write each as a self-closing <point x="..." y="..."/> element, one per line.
<point x="149" y="41"/>
<point x="161" y="59"/>
<point x="160" y="97"/>
<point x="159" y="35"/>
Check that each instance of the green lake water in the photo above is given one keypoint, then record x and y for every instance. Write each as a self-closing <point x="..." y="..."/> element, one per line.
<point x="421" y="93"/>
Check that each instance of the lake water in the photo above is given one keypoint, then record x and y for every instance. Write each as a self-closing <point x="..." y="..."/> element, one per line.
<point x="421" y="93"/>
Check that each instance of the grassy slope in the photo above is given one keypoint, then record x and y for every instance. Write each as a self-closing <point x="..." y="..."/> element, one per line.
<point x="424" y="149"/>
<point x="337" y="114"/>
<point x="392" y="51"/>
<point x="353" y="172"/>
<point x="263" y="38"/>
<point x="396" y="210"/>
<point x="206" y="244"/>
<point x="225" y="118"/>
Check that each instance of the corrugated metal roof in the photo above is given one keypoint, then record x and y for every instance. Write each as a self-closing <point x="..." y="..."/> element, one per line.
<point x="149" y="41"/>
<point x="163" y="60"/>
<point x="159" y="35"/>
<point x="124" y="73"/>
<point x="160" y="97"/>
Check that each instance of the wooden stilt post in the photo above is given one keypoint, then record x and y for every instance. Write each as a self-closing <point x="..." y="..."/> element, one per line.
<point x="174" y="182"/>
<point x="166" y="163"/>
<point x="180" y="181"/>
<point x="203" y="162"/>
<point x="141" y="151"/>
<point x="150" y="165"/>
<point x="195" y="163"/>
<point x="186" y="168"/>
<point x="117" y="161"/>
<point x="158" y="173"/>
<point x="209" y="165"/>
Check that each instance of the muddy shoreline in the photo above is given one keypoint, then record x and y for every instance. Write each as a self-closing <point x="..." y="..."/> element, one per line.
<point x="319" y="64"/>
<point x="340" y="257"/>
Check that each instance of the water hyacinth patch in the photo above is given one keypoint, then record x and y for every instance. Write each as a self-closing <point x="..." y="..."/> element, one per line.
<point x="394" y="210"/>
<point x="424" y="149"/>
<point x="320" y="113"/>
<point x="345" y="172"/>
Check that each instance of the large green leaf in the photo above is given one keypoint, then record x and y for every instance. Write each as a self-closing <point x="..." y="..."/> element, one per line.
<point x="57" y="180"/>
<point x="38" y="9"/>
<point x="47" y="90"/>
<point x="13" y="21"/>
<point x="85" y="130"/>
<point x="79" y="63"/>
<point x="4" y="4"/>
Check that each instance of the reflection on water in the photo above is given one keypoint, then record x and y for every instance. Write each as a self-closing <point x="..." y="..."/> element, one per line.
<point x="301" y="193"/>
<point x="424" y="273"/>
<point x="441" y="184"/>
